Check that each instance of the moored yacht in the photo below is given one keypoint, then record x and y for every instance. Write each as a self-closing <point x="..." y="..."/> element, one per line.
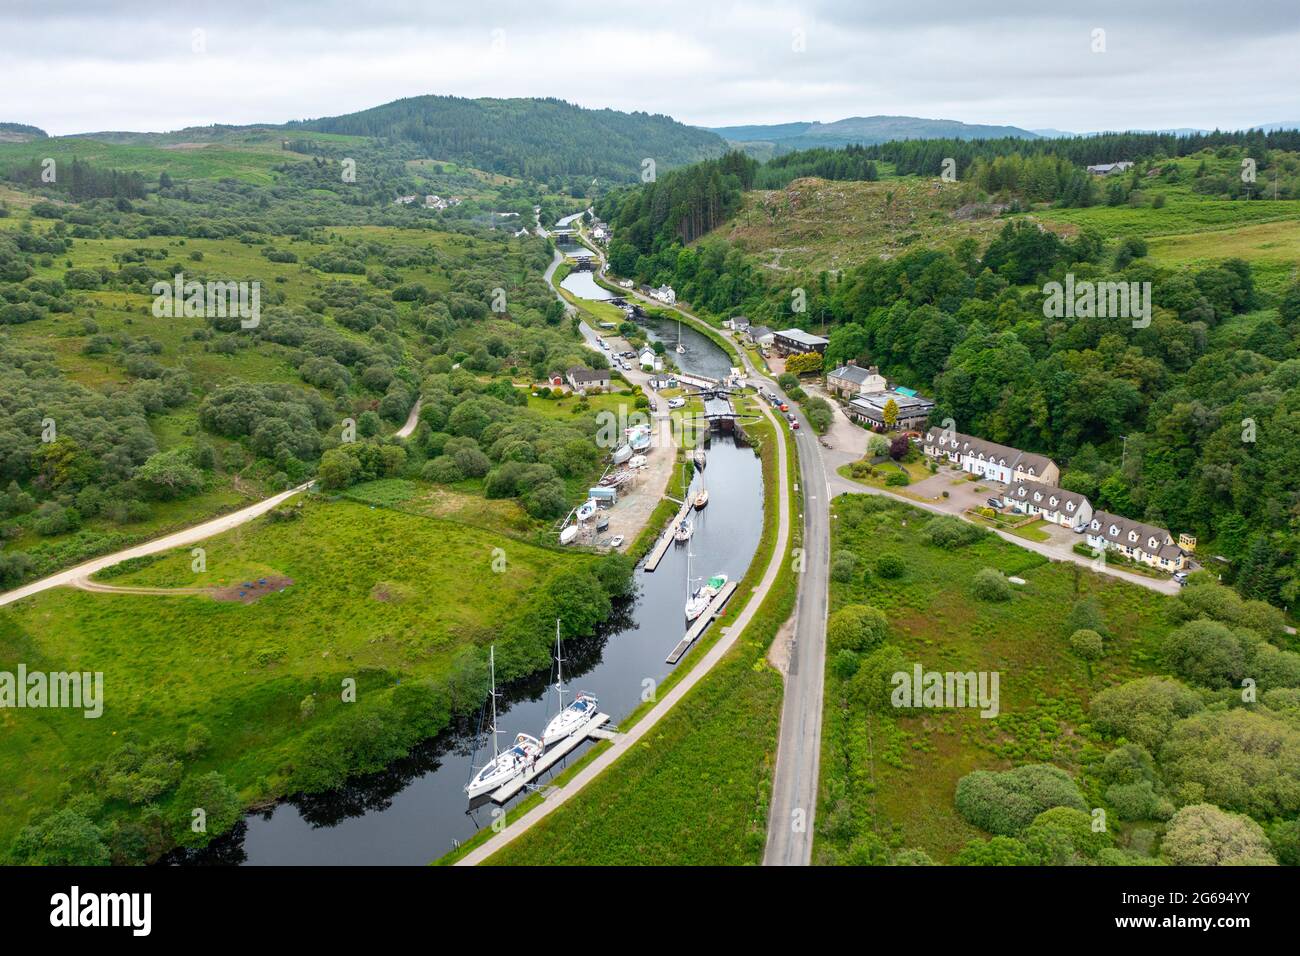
<point x="504" y="766"/>
<point x="569" y="720"/>
<point x="704" y="595"/>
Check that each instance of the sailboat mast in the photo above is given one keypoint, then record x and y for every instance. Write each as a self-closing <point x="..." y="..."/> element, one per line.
<point x="492" y="670"/>
<point x="559" y="667"/>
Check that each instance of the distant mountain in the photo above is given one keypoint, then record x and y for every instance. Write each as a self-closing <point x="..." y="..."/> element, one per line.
<point x="865" y="130"/>
<point x="535" y="138"/>
<point x="1274" y="127"/>
<point x="20" y="133"/>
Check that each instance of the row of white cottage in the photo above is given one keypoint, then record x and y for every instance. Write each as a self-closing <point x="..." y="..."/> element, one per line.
<point x="1031" y="490"/>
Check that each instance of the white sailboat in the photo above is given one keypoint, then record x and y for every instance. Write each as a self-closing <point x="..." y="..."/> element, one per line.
<point x="572" y="718"/>
<point x="702" y="498"/>
<point x="586" y="509"/>
<point x="704" y="595"/>
<point x="681" y="349"/>
<point x="504" y="766"/>
<point x="683" y="532"/>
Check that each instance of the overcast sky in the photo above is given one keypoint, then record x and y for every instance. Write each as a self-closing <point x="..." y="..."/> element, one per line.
<point x="88" y="65"/>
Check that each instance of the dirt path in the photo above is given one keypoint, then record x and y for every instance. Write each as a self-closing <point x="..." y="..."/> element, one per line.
<point x="178" y="539"/>
<point x="412" y="420"/>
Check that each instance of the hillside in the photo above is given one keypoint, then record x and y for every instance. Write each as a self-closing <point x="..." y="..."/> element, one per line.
<point x="817" y="224"/>
<point x="535" y="138"/>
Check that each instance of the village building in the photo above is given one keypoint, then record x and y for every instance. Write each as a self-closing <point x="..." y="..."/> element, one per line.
<point x="1141" y="542"/>
<point x="1066" y="508"/>
<point x="761" y="336"/>
<point x="581" y="379"/>
<point x="989" y="459"/>
<point x="738" y="324"/>
<point x="849" y="380"/>
<point x="797" y="341"/>
<point x="1109" y="169"/>
<point x="869" y="409"/>
<point x="664" y="294"/>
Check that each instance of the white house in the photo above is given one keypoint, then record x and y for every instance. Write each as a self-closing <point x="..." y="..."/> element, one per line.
<point x="650" y="361"/>
<point x="1141" y="542"/>
<point x="665" y="294"/>
<point x="1067" y="508"/>
<point x="989" y="459"/>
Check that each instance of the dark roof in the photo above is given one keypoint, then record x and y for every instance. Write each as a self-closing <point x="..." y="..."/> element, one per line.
<point x="1150" y="538"/>
<point x="1004" y="455"/>
<point x="1025" y="491"/>
<point x="580" y="373"/>
<point x="802" y="337"/>
<point x="853" y="373"/>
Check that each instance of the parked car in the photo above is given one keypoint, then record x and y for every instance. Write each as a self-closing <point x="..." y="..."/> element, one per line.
<point x="785" y="407"/>
<point x="789" y="416"/>
<point x="994" y="503"/>
<point x="794" y="424"/>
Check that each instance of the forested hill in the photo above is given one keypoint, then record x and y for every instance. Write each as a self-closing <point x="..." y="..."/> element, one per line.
<point x="535" y="138"/>
<point x="10" y="132"/>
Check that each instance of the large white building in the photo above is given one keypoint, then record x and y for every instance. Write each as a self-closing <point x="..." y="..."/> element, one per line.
<point x="1141" y="542"/>
<point x="989" y="459"/>
<point x="1067" y="508"/>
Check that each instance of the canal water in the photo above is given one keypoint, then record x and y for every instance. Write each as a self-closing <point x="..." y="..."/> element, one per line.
<point x="583" y="284"/>
<point x="414" y="811"/>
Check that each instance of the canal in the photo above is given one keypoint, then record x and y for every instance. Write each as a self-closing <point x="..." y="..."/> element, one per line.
<point x="415" y="810"/>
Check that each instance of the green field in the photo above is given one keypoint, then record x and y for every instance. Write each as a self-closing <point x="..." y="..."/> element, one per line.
<point x="892" y="776"/>
<point x="367" y="602"/>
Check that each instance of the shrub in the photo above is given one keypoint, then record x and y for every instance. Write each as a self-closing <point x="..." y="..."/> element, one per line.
<point x="1006" y="803"/>
<point x="950" y="533"/>
<point x="1203" y="835"/>
<point x="890" y="566"/>
<point x="990" y="585"/>
<point x="1087" y="644"/>
<point x="897" y="479"/>
<point x="856" y="627"/>
<point x="843" y="565"/>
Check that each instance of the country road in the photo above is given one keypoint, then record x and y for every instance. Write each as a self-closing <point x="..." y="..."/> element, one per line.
<point x="178" y="539"/>
<point x="412" y="420"/>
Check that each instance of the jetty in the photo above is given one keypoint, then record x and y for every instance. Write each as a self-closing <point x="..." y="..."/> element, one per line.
<point x="700" y="623"/>
<point x="661" y="546"/>
<point x="591" y="729"/>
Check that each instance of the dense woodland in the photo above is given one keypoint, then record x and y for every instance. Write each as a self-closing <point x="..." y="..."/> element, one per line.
<point x="541" y="139"/>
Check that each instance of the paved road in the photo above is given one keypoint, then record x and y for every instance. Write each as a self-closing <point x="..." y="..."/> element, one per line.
<point x="74" y="576"/>
<point x="794" y="785"/>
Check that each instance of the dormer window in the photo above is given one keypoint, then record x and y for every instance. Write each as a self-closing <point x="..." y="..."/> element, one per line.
<point x="1132" y="535"/>
<point x="1069" y="506"/>
<point x="1114" y="531"/>
<point x="1038" y="496"/>
<point x="1151" y="543"/>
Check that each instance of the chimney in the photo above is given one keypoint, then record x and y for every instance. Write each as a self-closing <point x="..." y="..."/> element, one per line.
<point x="853" y="362"/>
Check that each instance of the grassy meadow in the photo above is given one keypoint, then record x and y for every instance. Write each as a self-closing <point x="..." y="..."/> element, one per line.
<point x="368" y="601"/>
<point x="893" y="774"/>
